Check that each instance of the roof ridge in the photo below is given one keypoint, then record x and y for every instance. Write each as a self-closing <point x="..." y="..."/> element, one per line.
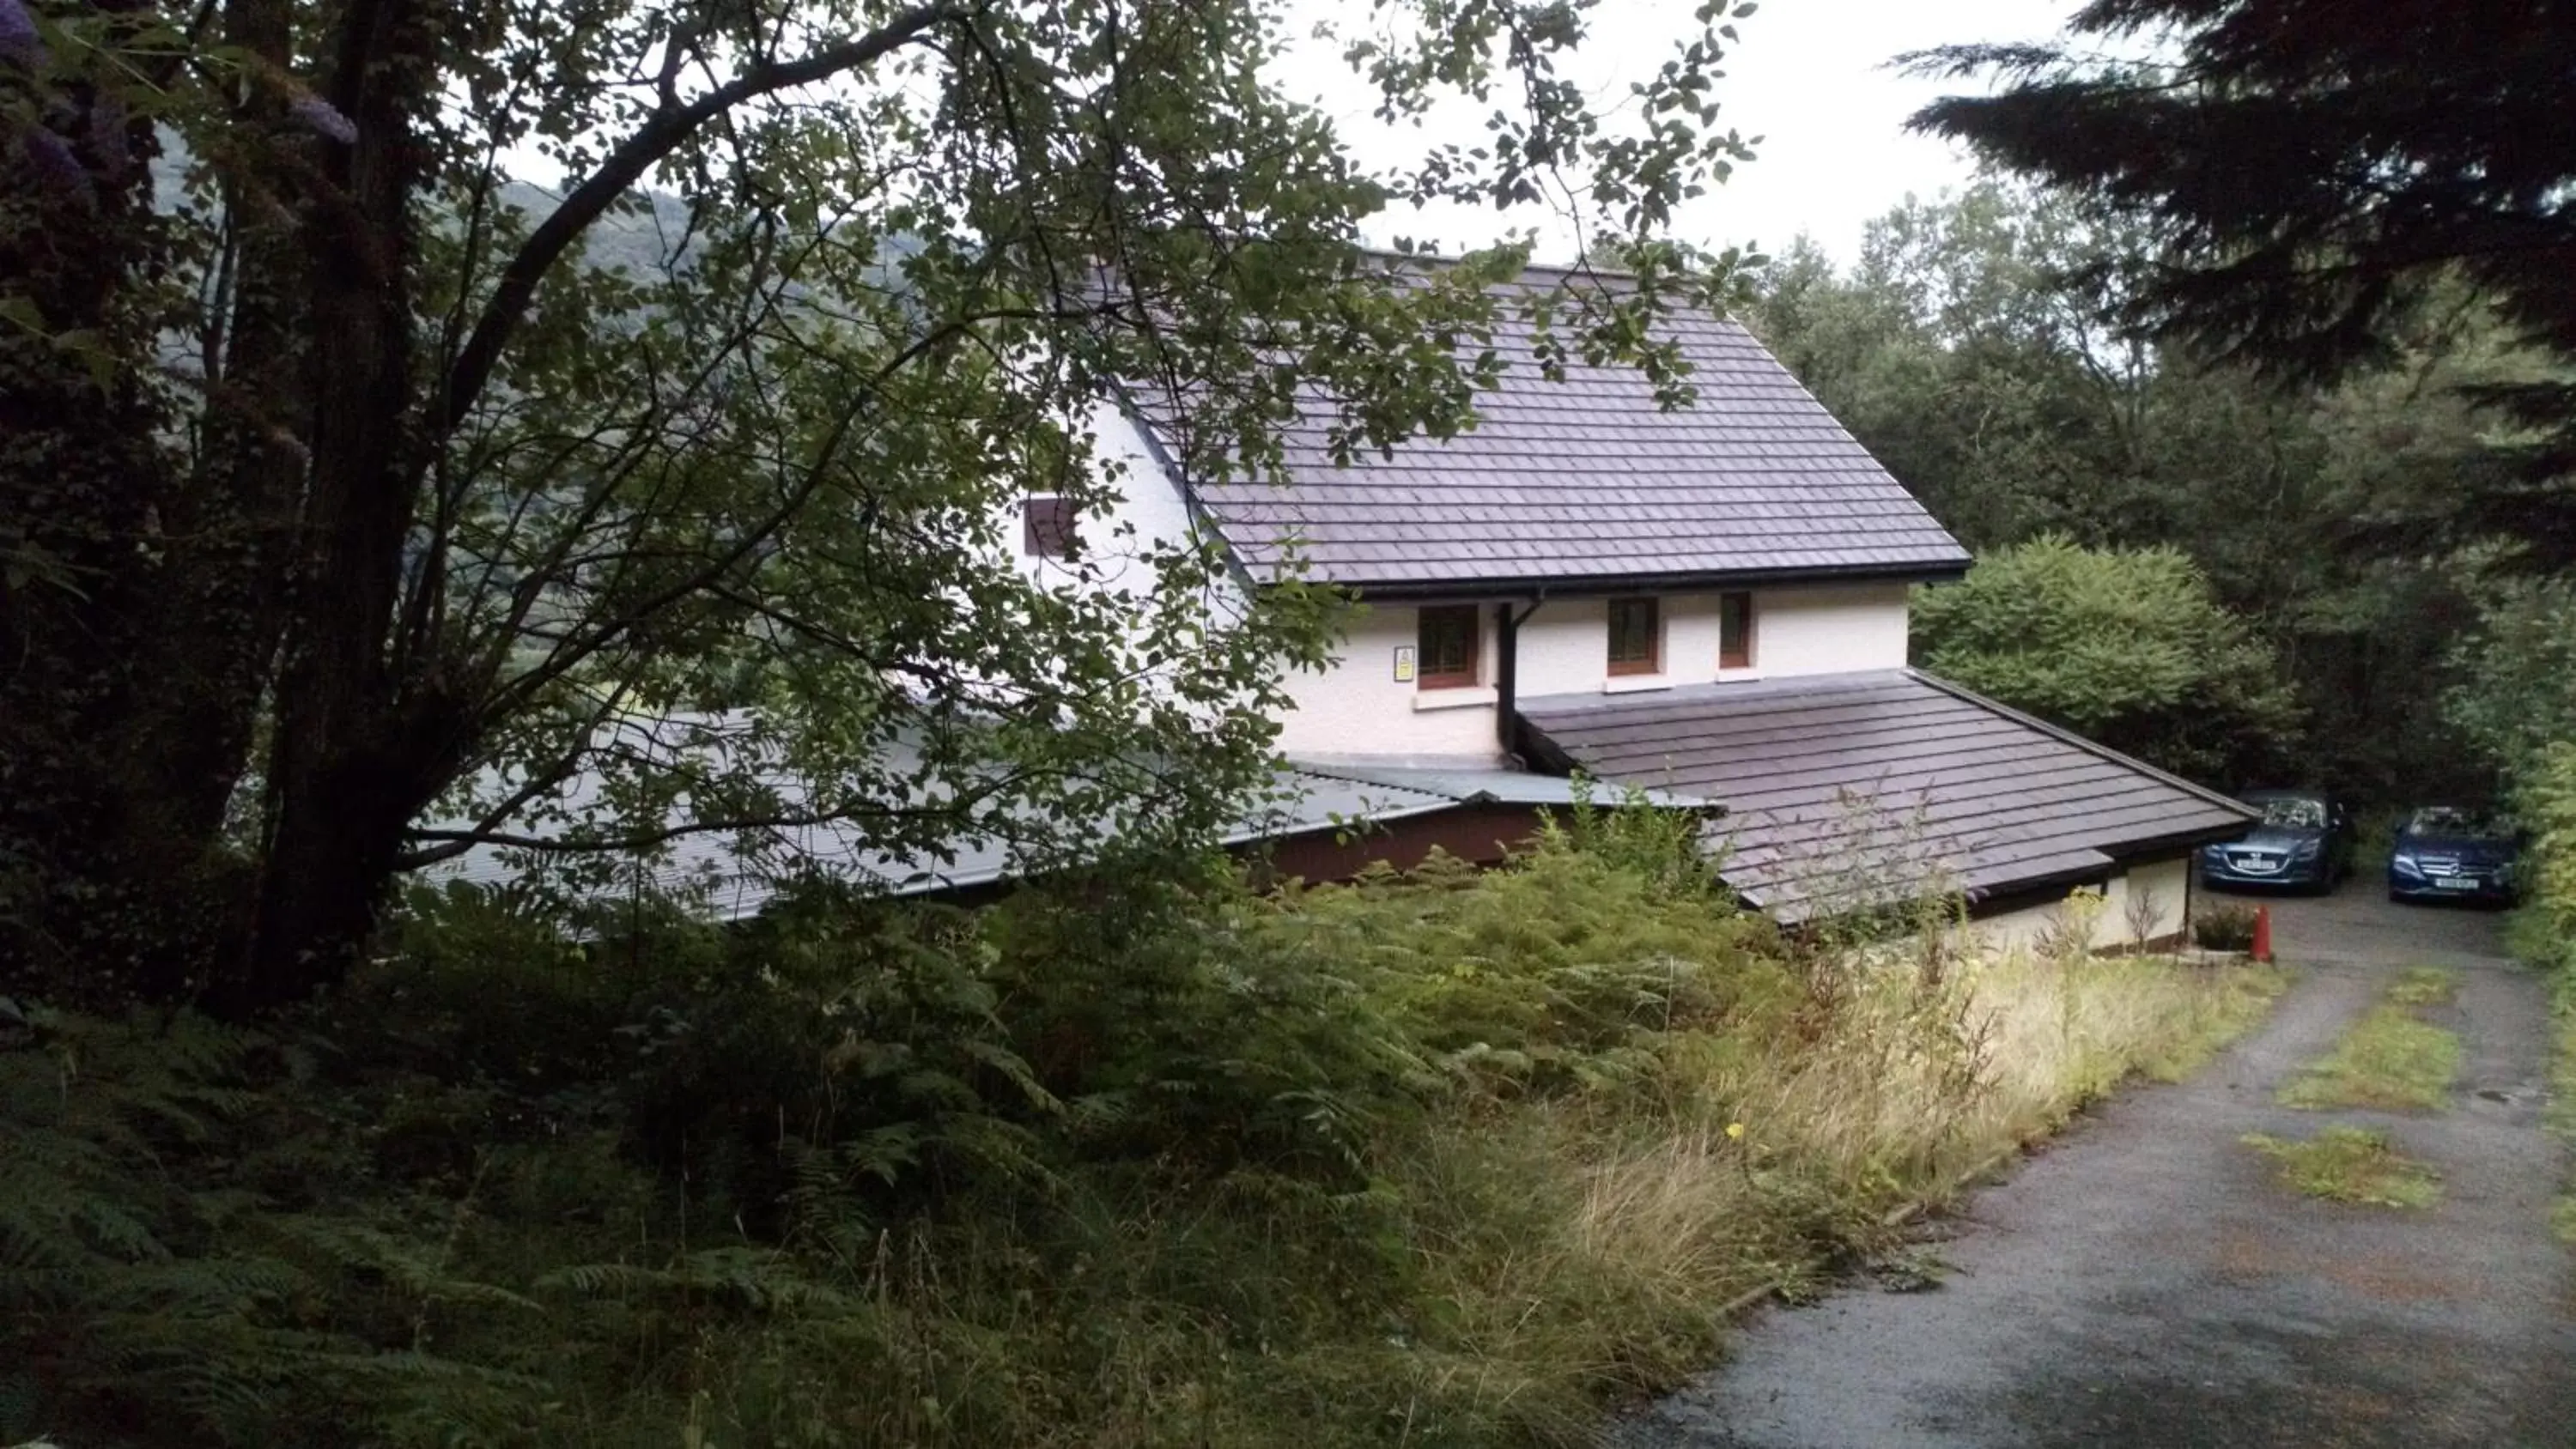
<point x="2090" y="747"/>
<point x="1360" y="775"/>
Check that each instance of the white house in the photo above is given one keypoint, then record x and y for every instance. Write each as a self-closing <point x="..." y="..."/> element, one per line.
<point x="1708" y="601"/>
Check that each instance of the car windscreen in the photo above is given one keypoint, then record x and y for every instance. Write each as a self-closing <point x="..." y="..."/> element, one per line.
<point x="2294" y="810"/>
<point x="2453" y="823"/>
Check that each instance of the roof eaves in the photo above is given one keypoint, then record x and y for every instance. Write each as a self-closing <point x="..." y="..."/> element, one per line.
<point x="1366" y="815"/>
<point x="1574" y="586"/>
<point x="2090" y="747"/>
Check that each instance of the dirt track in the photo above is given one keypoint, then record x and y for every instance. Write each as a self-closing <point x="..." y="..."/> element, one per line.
<point x="2146" y="1283"/>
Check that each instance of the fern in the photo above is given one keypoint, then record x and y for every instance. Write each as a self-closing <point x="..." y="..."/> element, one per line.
<point x="135" y="1271"/>
<point x="750" y="1279"/>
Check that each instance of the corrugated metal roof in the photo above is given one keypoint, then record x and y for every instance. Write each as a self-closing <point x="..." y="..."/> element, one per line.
<point x="1841" y="789"/>
<point x="732" y="884"/>
<point x="1587" y="478"/>
<point x="1493" y="786"/>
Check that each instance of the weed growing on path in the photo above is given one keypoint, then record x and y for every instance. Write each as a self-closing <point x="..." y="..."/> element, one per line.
<point x="2389" y="1060"/>
<point x="2352" y="1164"/>
<point x="2425" y="986"/>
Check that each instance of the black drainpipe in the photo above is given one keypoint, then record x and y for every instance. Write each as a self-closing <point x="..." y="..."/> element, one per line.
<point x="1507" y="720"/>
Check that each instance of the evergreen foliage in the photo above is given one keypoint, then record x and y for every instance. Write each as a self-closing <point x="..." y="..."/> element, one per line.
<point x="2546" y="931"/>
<point x="1975" y="347"/>
<point x="2514" y="693"/>
<point x="2311" y="173"/>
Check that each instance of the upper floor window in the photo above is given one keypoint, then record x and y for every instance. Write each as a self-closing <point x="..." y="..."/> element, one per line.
<point x="1447" y="641"/>
<point x="1735" y="631"/>
<point x="1046" y="527"/>
<point x="1636" y="637"/>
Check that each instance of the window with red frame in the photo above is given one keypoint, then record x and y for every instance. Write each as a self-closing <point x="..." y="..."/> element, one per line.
<point x="1447" y="640"/>
<point x="1636" y="637"/>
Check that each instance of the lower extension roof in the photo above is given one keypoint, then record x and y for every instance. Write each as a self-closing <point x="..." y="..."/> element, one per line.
<point x="1846" y="791"/>
<point x="728" y="880"/>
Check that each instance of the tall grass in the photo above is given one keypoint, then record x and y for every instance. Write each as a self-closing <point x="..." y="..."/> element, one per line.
<point x="1452" y="1160"/>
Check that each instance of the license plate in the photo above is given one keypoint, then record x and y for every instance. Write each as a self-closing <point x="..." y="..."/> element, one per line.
<point x="2456" y="883"/>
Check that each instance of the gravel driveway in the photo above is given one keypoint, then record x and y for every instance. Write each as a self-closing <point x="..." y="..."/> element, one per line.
<point x="2147" y="1283"/>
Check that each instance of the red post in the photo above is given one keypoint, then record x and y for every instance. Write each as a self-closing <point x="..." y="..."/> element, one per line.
<point x="2262" y="933"/>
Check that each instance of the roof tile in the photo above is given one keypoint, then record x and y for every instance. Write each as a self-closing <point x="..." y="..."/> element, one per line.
<point x="1589" y="478"/>
<point x="1845" y="784"/>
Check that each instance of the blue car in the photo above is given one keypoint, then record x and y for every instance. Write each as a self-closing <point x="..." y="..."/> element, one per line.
<point x="2447" y="853"/>
<point x="2303" y="843"/>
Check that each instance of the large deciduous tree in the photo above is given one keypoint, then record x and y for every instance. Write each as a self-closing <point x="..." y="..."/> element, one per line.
<point x="347" y="483"/>
<point x="2313" y="172"/>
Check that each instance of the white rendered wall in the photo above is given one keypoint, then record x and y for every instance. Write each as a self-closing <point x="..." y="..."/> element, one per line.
<point x="2166" y="883"/>
<point x="1113" y="568"/>
<point x="1147" y="513"/>
<point x="1564" y="648"/>
<point x="1841" y="629"/>
<point x="1822" y="629"/>
<point x="1359" y="709"/>
<point x="2169" y="883"/>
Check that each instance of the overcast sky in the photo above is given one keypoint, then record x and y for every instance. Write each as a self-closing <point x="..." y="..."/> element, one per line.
<point x="1810" y="76"/>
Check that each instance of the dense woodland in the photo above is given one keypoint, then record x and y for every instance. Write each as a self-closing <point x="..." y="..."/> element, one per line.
<point x="2118" y="487"/>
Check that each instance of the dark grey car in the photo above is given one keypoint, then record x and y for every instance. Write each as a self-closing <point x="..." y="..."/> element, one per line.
<point x="2305" y="842"/>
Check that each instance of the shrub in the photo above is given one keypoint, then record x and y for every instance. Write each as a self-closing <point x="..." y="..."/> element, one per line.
<point x="2544" y="929"/>
<point x="2223" y="928"/>
<point x="2546" y="800"/>
<point x="2128" y="647"/>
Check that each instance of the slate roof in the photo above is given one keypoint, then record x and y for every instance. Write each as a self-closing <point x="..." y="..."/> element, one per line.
<point x="1846" y="789"/>
<point x="1588" y="481"/>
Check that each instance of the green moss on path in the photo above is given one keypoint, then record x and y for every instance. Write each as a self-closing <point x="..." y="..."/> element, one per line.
<point x="2391" y="1059"/>
<point x="2354" y="1165"/>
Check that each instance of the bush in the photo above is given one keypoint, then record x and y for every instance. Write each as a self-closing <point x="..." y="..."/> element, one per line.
<point x="2546" y="801"/>
<point x="2224" y="927"/>
<point x="2128" y="647"/>
<point x="2544" y="929"/>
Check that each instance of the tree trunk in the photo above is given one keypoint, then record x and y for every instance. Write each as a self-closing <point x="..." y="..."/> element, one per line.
<point x="358" y="751"/>
<point x="135" y="653"/>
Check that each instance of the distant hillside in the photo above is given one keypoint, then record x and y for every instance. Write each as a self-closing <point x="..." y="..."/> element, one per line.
<point x="634" y="240"/>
